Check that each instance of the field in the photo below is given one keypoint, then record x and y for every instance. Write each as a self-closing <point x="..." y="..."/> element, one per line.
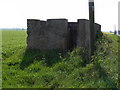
<point x="23" y="68"/>
<point x="108" y="33"/>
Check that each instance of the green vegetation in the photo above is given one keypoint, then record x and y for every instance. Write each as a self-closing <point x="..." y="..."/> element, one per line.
<point x="23" y="68"/>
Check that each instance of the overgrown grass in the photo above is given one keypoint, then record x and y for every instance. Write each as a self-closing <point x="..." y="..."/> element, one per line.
<point x="32" y="69"/>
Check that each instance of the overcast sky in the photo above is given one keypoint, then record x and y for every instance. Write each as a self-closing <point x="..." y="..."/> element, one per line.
<point x="14" y="13"/>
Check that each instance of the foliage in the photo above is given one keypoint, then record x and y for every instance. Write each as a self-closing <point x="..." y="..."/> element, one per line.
<point x="53" y="69"/>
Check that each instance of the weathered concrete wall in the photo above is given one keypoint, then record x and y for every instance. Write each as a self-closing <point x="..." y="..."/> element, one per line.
<point x="37" y="38"/>
<point x="97" y="30"/>
<point x="72" y="28"/>
<point x="59" y="34"/>
<point x="83" y="33"/>
<point x="48" y="35"/>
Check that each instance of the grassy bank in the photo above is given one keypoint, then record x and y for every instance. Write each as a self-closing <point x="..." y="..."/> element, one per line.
<point x="32" y="69"/>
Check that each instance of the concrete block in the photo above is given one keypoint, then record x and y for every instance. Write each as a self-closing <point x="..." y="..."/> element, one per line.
<point x="57" y="32"/>
<point x="83" y="33"/>
<point x="37" y="38"/>
<point x="49" y="35"/>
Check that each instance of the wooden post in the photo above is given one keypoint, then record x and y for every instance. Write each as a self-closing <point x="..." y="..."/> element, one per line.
<point x="92" y="32"/>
